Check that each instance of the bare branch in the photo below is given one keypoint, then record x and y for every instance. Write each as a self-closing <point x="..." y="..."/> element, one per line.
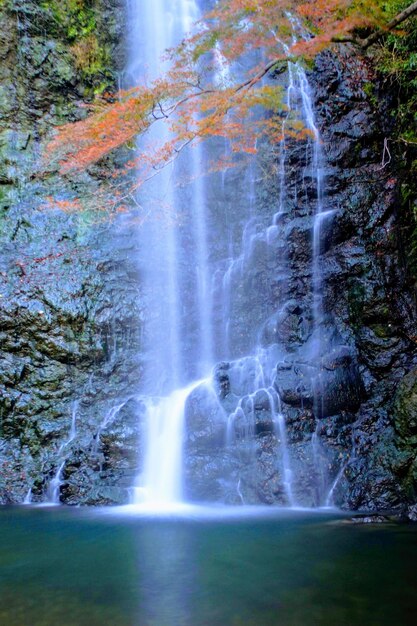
<point x="386" y="155"/>
<point x="408" y="142"/>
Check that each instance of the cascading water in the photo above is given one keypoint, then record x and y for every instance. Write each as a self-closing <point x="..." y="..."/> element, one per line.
<point x="55" y="484"/>
<point x="161" y="482"/>
<point x="174" y="268"/>
<point x="259" y="242"/>
<point x="198" y="284"/>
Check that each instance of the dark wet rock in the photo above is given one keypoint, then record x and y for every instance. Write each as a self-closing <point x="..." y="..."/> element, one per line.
<point x="412" y="513"/>
<point x="329" y="384"/>
<point x="221" y="379"/>
<point x="295" y="384"/>
<point x="405" y="408"/>
<point x="205" y="420"/>
<point x="289" y="325"/>
<point x="370" y="519"/>
<point x="69" y="295"/>
<point x="207" y="463"/>
<point x="405" y="423"/>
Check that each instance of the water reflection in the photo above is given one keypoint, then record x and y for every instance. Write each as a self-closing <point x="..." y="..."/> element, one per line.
<point x="168" y="575"/>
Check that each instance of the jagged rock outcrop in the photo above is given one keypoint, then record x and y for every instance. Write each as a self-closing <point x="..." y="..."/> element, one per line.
<point x="367" y="286"/>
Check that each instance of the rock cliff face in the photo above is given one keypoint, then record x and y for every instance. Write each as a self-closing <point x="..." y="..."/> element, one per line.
<point x="69" y="287"/>
<point x="348" y="408"/>
<point x="367" y="287"/>
<point x="70" y="305"/>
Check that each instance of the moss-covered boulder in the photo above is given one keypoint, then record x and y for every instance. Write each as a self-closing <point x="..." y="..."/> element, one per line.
<point x="405" y="421"/>
<point x="405" y="408"/>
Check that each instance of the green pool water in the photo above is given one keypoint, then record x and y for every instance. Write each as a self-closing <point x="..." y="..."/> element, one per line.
<point x="66" y="567"/>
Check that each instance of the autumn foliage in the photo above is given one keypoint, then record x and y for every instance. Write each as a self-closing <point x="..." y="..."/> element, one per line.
<point x="196" y="101"/>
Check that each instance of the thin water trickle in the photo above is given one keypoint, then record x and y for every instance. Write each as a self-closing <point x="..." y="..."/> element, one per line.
<point x="329" y="499"/>
<point x="281" y="433"/>
<point x="108" y="419"/>
<point x="53" y="491"/>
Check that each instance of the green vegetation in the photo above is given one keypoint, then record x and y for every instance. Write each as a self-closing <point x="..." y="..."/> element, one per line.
<point x="397" y="60"/>
<point x="396" y="57"/>
<point x="77" y="22"/>
<point x="356" y="302"/>
<point x="77" y="17"/>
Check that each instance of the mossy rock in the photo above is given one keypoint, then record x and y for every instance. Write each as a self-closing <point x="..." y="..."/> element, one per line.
<point x="405" y="409"/>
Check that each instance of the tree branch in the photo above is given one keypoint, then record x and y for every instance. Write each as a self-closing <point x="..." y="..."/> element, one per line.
<point x="396" y="21"/>
<point x="373" y="37"/>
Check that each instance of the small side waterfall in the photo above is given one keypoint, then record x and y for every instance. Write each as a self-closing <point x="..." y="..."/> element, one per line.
<point x="279" y="420"/>
<point x="52" y="493"/>
<point x="28" y="497"/>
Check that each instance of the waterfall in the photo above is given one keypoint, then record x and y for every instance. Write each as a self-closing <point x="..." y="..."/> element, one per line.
<point x="28" y="497"/>
<point x="197" y="280"/>
<point x="174" y="265"/>
<point x="53" y="490"/>
<point x="161" y="482"/>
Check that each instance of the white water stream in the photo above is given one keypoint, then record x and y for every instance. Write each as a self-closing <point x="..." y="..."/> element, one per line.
<point x="160" y="484"/>
<point x="174" y="266"/>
